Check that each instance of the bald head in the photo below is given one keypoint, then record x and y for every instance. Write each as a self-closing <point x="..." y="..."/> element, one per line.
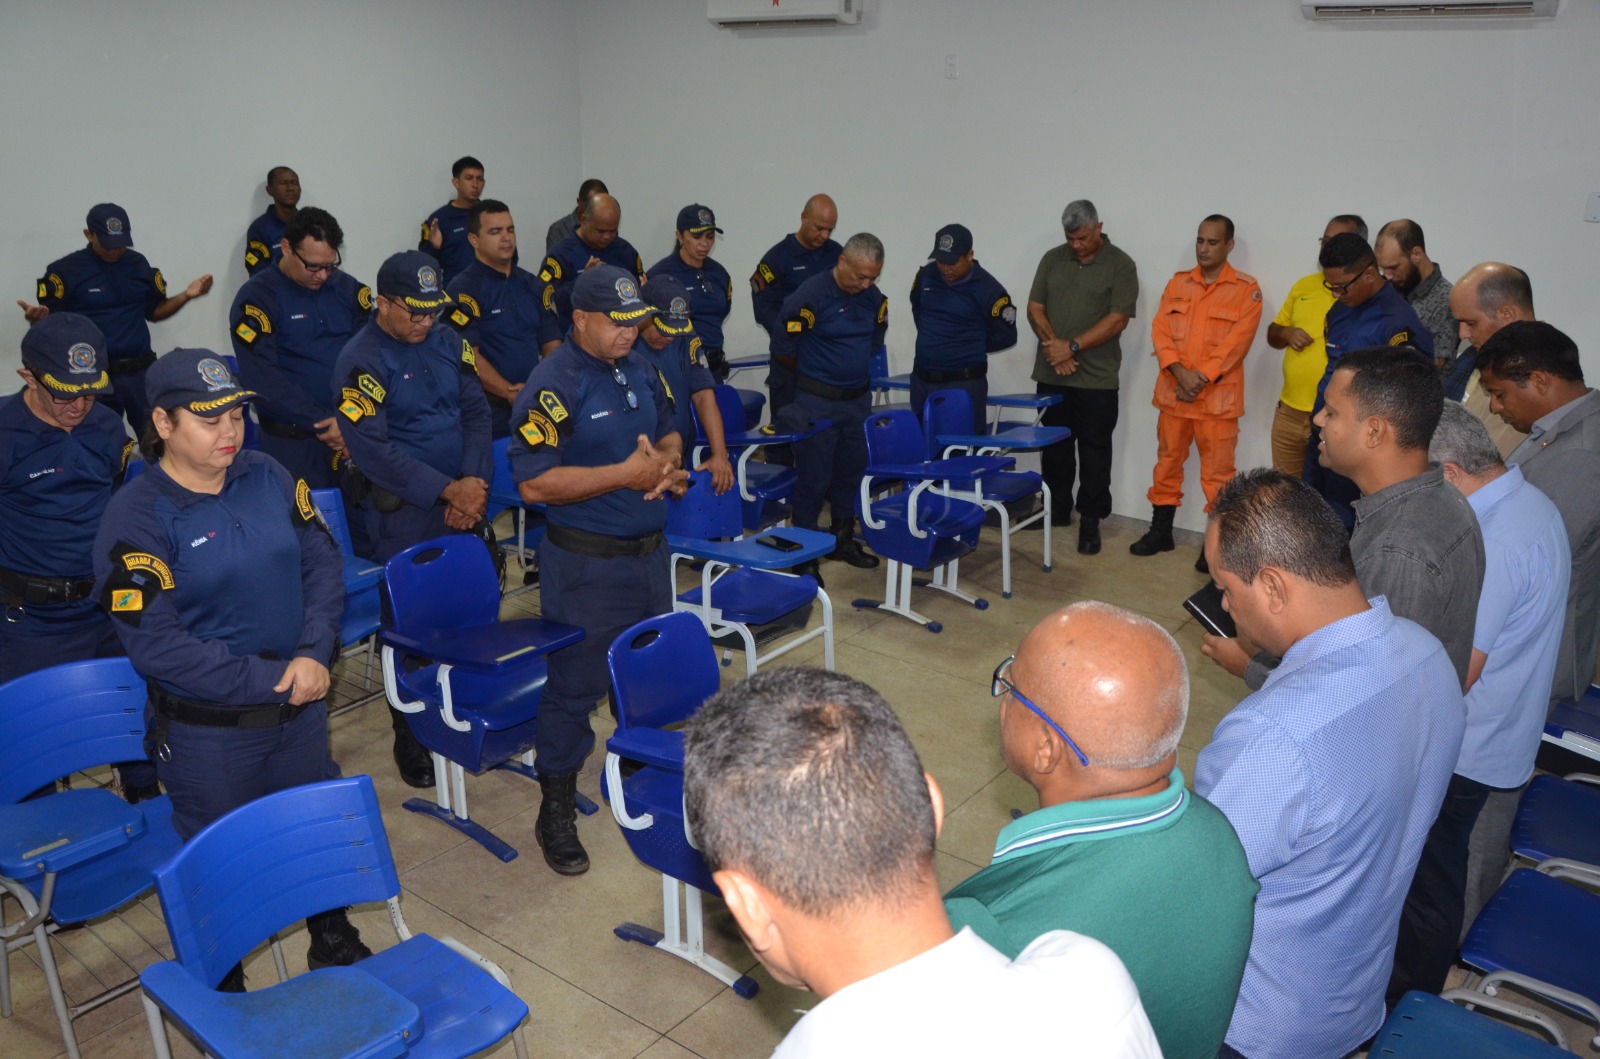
<point x="1488" y="297"/>
<point x="598" y="221"/>
<point x="1113" y="680"/>
<point x="817" y="222"/>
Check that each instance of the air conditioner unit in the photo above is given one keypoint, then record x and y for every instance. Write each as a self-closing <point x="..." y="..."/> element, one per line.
<point x="1379" y="10"/>
<point x="736" y="13"/>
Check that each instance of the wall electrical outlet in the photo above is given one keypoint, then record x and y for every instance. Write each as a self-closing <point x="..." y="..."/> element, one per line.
<point x="1592" y="213"/>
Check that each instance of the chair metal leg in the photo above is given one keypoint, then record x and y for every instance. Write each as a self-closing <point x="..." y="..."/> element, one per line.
<point x="158" y="1028"/>
<point x="1005" y="548"/>
<point x="897" y="596"/>
<point x="684" y="935"/>
<point x="47" y="960"/>
<point x="944" y="580"/>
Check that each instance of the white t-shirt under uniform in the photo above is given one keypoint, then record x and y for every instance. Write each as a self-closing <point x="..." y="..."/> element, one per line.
<point x="1063" y="995"/>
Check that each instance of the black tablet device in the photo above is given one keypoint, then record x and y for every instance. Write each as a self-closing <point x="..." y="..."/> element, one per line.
<point x="1206" y="605"/>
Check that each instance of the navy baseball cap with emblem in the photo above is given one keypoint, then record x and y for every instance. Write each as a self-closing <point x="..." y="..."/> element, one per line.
<point x="669" y="299"/>
<point x="67" y="355"/>
<point x="695" y="218"/>
<point x="412" y="278"/>
<point x="951" y="243"/>
<point x="196" y="379"/>
<point x="109" y="223"/>
<point x="607" y="289"/>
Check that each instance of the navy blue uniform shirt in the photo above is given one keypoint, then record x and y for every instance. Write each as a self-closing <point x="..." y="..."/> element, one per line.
<point x="832" y="333"/>
<point x="960" y="323"/>
<point x="200" y="587"/>
<point x="119" y="296"/>
<point x="574" y="413"/>
<point x="288" y="338"/>
<point x="454" y="253"/>
<point x="54" y="487"/>
<point x="263" y="241"/>
<point x="1385" y="319"/>
<point x="504" y="317"/>
<point x="566" y="263"/>
<point x="683" y="371"/>
<point x="413" y="416"/>
<point x="780" y="273"/>
<point x="710" y="294"/>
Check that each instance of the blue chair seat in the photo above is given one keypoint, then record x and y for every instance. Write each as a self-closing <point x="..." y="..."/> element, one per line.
<point x="515" y="702"/>
<point x="937" y="514"/>
<point x="1576" y="726"/>
<point x="1423" y="1026"/>
<point x="752" y="401"/>
<point x="1542" y="927"/>
<point x="1558" y="818"/>
<point x="459" y="1015"/>
<point x="753" y="597"/>
<point x="663" y="845"/>
<point x="100" y="886"/>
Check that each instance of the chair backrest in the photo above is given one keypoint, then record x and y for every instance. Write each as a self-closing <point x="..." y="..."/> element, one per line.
<point x="502" y="489"/>
<point x="730" y="406"/>
<point x="60" y="720"/>
<point x="134" y="469"/>
<point x="945" y="412"/>
<point x="271" y="863"/>
<point x="662" y="670"/>
<point x="445" y="583"/>
<point x="330" y="502"/>
<point x="878" y="366"/>
<point x="703" y="515"/>
<point x="894" y="437"/>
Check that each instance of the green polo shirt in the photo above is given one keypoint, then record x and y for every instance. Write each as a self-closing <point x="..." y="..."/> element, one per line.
<point x="1162" y="880"/>
<point x="1077" y="296"/>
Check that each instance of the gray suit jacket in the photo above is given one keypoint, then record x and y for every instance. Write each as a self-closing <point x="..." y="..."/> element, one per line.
<point x="1565" y="465"/>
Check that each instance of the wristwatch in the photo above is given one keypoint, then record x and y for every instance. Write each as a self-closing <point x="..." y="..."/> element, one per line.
<point x="1072" y="344"/>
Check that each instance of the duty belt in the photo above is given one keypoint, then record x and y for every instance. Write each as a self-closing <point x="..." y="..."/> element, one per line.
<point x="599" y="545"/>
<point x="129" y="365"/>
<point x="832" y="393"/>
<point x="209" y="715"/>
<point x="977" y="371"/>
<point x="38" y="591"/>
<point x="285" y="430"/>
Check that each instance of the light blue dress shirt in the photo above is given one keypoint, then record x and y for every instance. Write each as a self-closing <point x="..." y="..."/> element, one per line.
<point x="1332" y="775"/>
<point x="1520" y="614"/>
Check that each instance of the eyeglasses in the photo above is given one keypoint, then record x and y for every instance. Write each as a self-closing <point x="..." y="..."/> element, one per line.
<point x="48" y="392"/>
<point x="317" y="270"/>
<point x="1339" y="289"/>
<point x="999" y="686"/>
<point x="622" y="381"/>
<point x="416" y="318"/>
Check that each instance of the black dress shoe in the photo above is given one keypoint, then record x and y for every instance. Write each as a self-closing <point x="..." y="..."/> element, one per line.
<point x="413" y="759"/>
<point x="1089" y="536"/>
<point x="813" y="570"/>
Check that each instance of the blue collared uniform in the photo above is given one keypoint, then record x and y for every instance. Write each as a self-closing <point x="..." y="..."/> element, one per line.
<point x="574" y="413"/>
<point x="414" y="420"/>
<point x="54" y="487"/>
<point x="779" y="274"/>
<point x="213" y="596"/>
<point x="287" y="339"/>
<point x="1385" y="319"/>
<point x="829" y="335"/>
<point x="455" y="253"/>
<point x="506" y="320"/>
<point x="120" y="297"/>
<point x="710" y="295"/>
<point x="958" y="325"/>
<point x="566" y="262"/>
<point x="263" y="241"/>
<point x="682" y="367"/>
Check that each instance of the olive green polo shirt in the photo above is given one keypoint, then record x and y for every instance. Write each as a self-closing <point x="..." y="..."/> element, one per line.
<point x="1076" y="296"/>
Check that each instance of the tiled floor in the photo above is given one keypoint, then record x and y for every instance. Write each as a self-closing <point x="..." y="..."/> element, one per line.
<point x="592" y="994"/>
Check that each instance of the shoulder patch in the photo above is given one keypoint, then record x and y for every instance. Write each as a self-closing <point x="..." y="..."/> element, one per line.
<point x="364" y="297"/>
<point x="370" y="386"/>
<point x="1009" y="315"/>
<point x="1255" y="295"/>
<point x="470" y="302"/>
<point x="426" y="232"/>
<point x="551" y="270"/>
<point x="665" y="385"/>
<point x="794" y="327"/>
<point x="883" y="311"/>
<point x="128" y="449"/>
<point x="58" y="286"/>
<point x="538" y="430"/>
<point x="256" y="252"/>
<point x="548" y="298"/>
<point x="355" y="405"/>
<point x="1000" y="306"/>
<point x="126" y="600"/>
<point x="694" y="350"/>
<point x="765" y="272"/>
<point x="161" y="283"/>
<point x="133" y="561"/>
<point x="259" y="315"/>
<point x="551" y="403"/>
<point x="246" y="333"/>
<point x="459" y="318"/>
<point x="808" y="318"/>
<point x="469" y="358"/>
<point x="1401" y="338"/>
<point x="302" y="501"/>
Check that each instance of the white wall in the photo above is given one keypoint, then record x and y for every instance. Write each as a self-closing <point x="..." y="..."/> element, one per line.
<point x="1161" y="112"/>
<point x="175" y="109"/>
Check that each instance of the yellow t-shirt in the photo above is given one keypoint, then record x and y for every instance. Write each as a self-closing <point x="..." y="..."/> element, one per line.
<point x="1306" y="307"/>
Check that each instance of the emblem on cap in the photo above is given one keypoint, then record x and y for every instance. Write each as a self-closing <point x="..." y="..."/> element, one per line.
<point x="705" y="216"/>
<point x="947" y="242"/>
<point x="626" y="290"/>
<point x="113" y="226"/>
<point x="215" y="375"/>
<point x="80" y="359"/>
<point x="679" y="307"/>
<point x="427" y="279"/>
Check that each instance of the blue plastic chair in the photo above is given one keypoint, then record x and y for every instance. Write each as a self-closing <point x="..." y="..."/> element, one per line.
<point x="79" y="854"/>
<point x="134" y="469"/>
<point x="1575" y="726"/>
<point x="949" y="412"/>
<point x="358" y="625"/>
<point x="662" y="671"/>
<point x="742" y="584"/>
<point x="738" y="364"/>
<point x="504" y="495"/>
<point x="1539" y="934"/>
<point x="879" y="379"/>
<point x="268" y="865"/>
<point x="917" y="526"/>
<point x="765" y="488"/>
<point x="1423" y="1026"/>
<point x="1559" y="819"/>
<point x="468" y="683"/>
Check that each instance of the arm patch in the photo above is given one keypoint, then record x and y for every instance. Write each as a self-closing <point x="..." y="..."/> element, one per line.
<point x="263" y="322"/>
<point x="369" y="385"/>
<point x="355" y="405"/>
<point x="883" y="311"/>
<point x="459" y="319"/>
<point x="1401" y="338"/>
<point x="557" y="413"/>
<point x="255" y="252"/>
<point x="161" y="283"/>
<point x="470" y="302"/>
<point x="999" y="307"/>
<point x="305" y="509"/>
<point x="135" y="580"/>
<point x="469" y="359"/>
<point x="538" y="430"/>
<point x="364" y="298"/>
<point x="551" y="272"/>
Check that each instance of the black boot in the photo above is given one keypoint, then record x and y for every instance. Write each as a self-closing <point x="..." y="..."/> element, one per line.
<point x="849" y="550"/>
<point x="1158" y="538"/>
<point x="812" y="569"/>
<point x="557" y="827"/>
<point x="233" y="981"/>
<point x="1088" y="535"/>
<point x="412" y="758"/>
<point x="335" y="942"/>
<point x="1201" y="565"/>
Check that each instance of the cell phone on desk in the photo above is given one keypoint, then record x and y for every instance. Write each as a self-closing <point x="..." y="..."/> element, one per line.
<point x="781" y="544"/>
<point x="1206" y="606"/>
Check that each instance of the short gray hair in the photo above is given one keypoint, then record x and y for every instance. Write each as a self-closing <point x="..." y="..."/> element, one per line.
<point x="1078" y="214"/>
<point x="864" y="245"/>
<point x="1462" y="439"/>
